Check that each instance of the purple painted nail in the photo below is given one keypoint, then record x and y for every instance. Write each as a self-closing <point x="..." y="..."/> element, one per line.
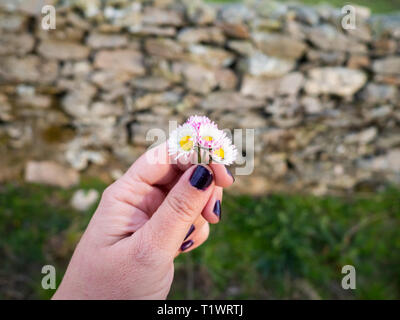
<point x="186" y="245"/>
<point x="230" y="173"/>
<point x="201" y="178"/>
<point x="217" y="209"/>
<point x="189" y="232"/>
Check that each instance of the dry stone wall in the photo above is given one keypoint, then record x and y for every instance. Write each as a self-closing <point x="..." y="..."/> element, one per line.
<point x="324" y="101"/>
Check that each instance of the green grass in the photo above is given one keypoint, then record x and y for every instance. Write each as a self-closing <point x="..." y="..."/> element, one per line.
<point x="280" y="246"/>
<point x="377" y="6"/>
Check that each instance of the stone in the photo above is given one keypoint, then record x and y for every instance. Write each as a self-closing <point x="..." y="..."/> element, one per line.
<point x="151" y="83"/>
<point x="63" y="50"/>
<point x="50" y="173"/>
<point x="157" y="16"/>
<point x="237" y="13"/>
<point x="279" y="45"/>
<point x="334" y="80"/>
<point x="35" y="101"/>
<point x="387" y="162"/>
<point x="125" y="60"/>
<point x="291" y="83"/>
<point x="244" y="48"/>
<point x="205" y="35"/>
<point x="375" y="93"/>
<point x="259" y="87"/>
<point x="388" y="65"/>
<point x="83" y="200"/>
<point x="111" y="79"/>
<point x="10" y="22"/>
<point x="29" y="68"/>
<point x="332" y="58"/>
<point x="358" y="62"/>
<point x="306" y="15"/>
<point x="327" y="37"/>
<point x="363" y="137"/>
<point x="90" y="8"/>
<point x="165" y="48"/>
<point x="230" y="100"/>
<point x="198" y="78"/>
<point x="199" y="12"/>
<point x="76" y="102"/>
<point x="106" y="41"/>
<point x="226" y="79"/>
<point x="152" y="30"/>
<point x="16" y="44"/>
<point x="235" y="30"/>
<point x="259" y="64"/>
<point x="214" y="57"/>
<point x="153" y="99"/>
<point x="311" y="105"/>
<point x="78" y="156"/>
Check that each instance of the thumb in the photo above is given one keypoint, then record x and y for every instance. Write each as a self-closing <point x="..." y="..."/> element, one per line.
<point x="184" y="203"/>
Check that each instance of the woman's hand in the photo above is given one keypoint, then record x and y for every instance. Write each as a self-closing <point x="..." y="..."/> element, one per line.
<point x="144" y="220"/>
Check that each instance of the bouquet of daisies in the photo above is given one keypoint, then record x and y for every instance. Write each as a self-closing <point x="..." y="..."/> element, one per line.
<point x="200" y="136"/>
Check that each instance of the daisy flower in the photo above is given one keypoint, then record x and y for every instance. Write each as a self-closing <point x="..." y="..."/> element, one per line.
<point x="198" y="121"/>
<point x="209" y="136"/>
<point x="226" y="153"/>
<point x="182" y="141"/>
<point x="200" y="135"/>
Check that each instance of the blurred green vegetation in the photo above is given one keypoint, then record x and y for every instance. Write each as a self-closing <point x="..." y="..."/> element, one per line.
<point x="280" y="246"/>
<point x="377" y="6"/>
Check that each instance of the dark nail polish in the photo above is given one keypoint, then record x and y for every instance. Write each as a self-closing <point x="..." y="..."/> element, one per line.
<point x="201" y="178"/>
<point x="189" y="232"/>
<point x="186" y="245"/>
<point x="230" y="173"/>
<point x="217" y="209"/>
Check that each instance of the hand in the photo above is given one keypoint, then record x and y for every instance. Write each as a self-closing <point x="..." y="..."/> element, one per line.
<point x="144" y="220"/>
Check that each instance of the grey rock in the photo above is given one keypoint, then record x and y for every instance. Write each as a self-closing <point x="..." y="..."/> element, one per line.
<point x="165" y="48"/>
<point x="259" y="64"/>
<point x="151" y="83"/>
<point x="83" y="200"/>
<point x="214" y="57"/>
<point x="279" y="45"/>
<point x="157" y="16"/>
<point x="63" y="50"/>
<point x="16" y="44"/>
<point x="30" y="68"/>
<point x="230" y="100"/>
<point x="102" y="41"/>
<point x="50" y="173"/>
<point x="126" y="60"/>
<point x="375" y="93"/>
<point x="388" y="65"/>
<point x="197" y="35"/>
<point x="334" y="80"/>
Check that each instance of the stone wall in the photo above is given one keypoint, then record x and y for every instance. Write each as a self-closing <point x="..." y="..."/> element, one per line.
<point x="324" y="101"/>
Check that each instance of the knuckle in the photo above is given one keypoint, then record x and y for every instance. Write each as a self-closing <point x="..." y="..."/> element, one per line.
<point x="182" y="206"/>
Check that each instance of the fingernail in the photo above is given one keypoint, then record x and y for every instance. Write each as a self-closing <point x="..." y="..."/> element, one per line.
<point x="189" y="232"/>
<point x="230" y="173"/>
<point x="201" y="178"/>
<point x="217" y="209"/>
<point x="186" y="245"/>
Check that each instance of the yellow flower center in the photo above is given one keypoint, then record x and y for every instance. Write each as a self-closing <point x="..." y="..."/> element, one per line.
<point x="186" y="143"/>
<point x="208" y="138"/>
<point x="220" y="153"/>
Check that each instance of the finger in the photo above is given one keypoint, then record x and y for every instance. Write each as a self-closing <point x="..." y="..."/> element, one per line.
<point x="223" y="176"/>
<point x="181" y="207"/>
<point x="212" y="211"/>
<point x="198" y="239"/>
<point x="194" y="228"/>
